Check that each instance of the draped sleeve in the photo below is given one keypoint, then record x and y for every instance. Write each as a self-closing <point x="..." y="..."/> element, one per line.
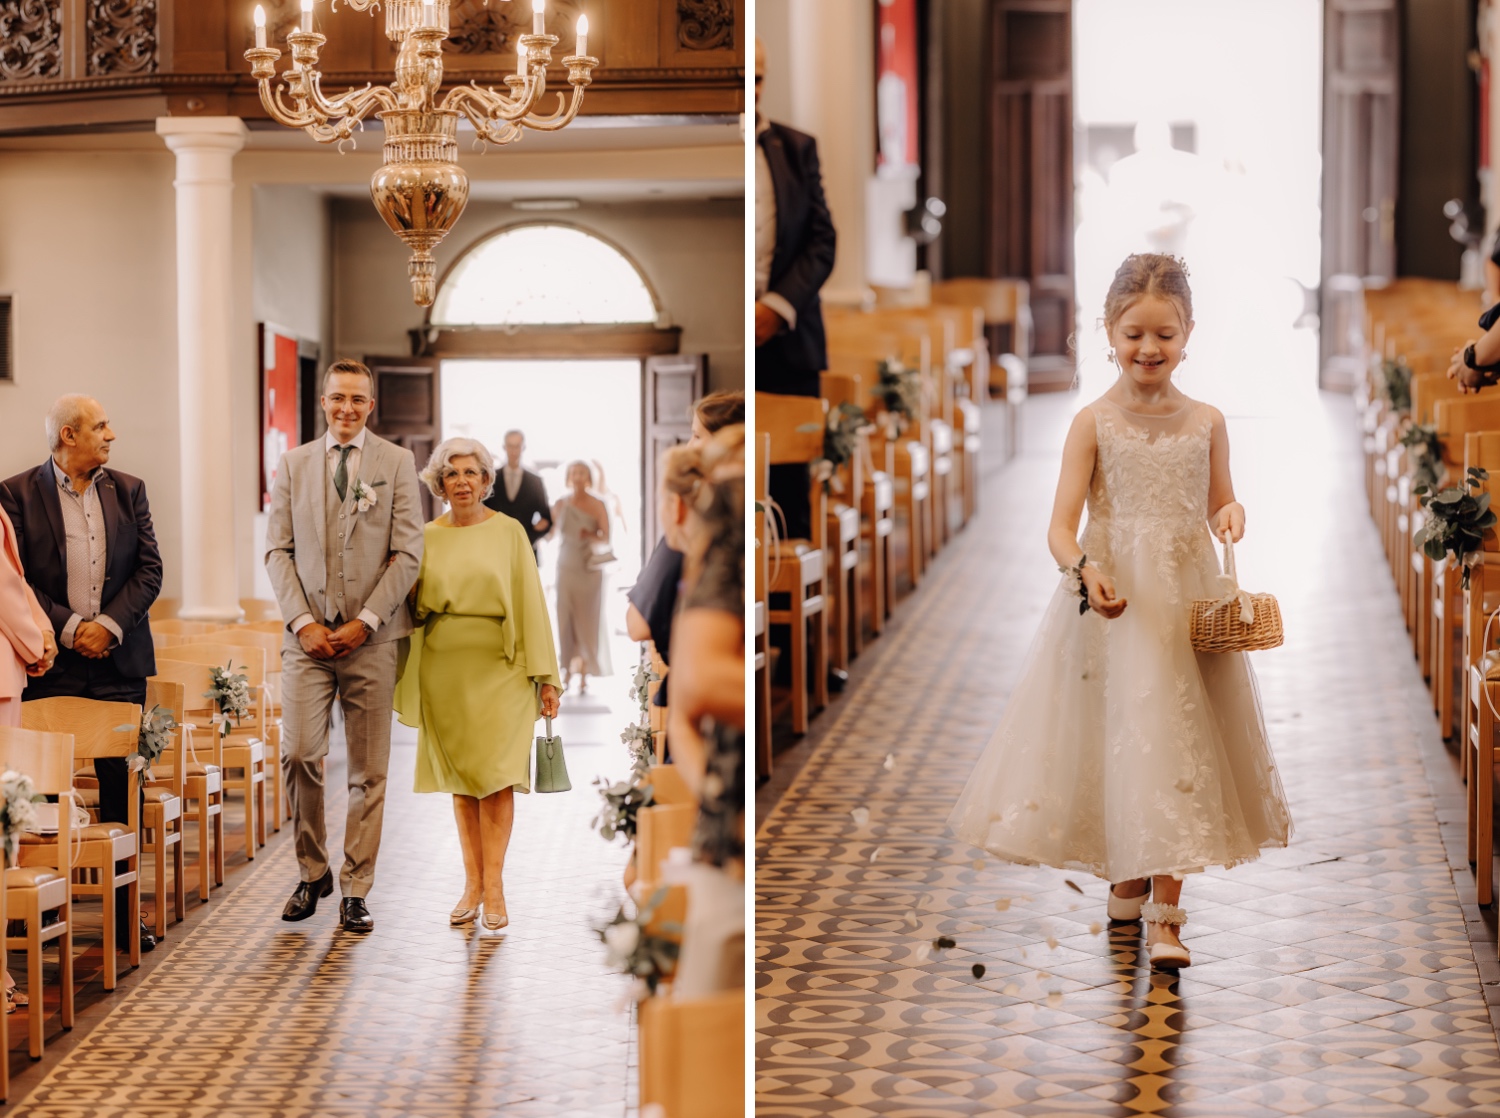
<point x="535" y="650"/>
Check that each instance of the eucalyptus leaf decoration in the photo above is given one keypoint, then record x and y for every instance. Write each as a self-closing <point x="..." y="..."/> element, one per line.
<point x="157" y="726"/>
<point x="1395" y="383"/>
<point x="1457" y="520"/>
<point x="231" y="694"/>
<point x="632" y="949"/>
<point x="1426" y="452"/>
<point x="900" y="388"/>
<point x="16" y="811"/>
<point x="624" y="798"/>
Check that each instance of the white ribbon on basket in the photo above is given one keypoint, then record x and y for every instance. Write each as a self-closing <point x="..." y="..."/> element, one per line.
<point x="1229" y="579"/>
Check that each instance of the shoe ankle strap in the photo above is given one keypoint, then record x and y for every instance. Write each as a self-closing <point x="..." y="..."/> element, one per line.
<point x="1154" y="913"/>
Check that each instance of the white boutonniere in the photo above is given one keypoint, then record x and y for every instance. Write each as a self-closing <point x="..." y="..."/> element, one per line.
<point x="364" y="496"/>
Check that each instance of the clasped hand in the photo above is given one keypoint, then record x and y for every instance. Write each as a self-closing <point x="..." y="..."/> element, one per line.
<point x="1469" y="380"/>
<point x="49" y="656"/>
<point x="322" y="643"/>
<point x="92" y="639"/>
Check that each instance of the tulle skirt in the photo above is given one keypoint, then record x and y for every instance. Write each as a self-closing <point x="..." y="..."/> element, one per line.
<point x="1123" y="752"/>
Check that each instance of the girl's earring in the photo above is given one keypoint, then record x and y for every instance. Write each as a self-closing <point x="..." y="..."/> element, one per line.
<point x="1184" y="355"/>
<point x="1113" y="360"/>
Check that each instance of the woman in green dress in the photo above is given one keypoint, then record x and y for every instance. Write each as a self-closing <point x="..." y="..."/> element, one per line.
<point x="478" y="671"/>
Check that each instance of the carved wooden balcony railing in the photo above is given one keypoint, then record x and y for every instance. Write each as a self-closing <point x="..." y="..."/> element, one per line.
<point x="67" y="65"/>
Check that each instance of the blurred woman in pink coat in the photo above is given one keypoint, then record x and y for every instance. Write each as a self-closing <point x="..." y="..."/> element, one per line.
<point x="28" y="646"/>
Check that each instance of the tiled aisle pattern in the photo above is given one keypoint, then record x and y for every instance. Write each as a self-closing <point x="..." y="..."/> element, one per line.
<point x="1331" y="978"/>
<point x="252" y="1017"/>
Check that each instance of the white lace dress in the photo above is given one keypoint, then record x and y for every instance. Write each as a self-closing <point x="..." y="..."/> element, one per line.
<point x="1122" y="752"/>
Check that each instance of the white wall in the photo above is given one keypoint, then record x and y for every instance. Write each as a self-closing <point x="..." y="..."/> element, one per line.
<point x="692" y="252"/>
<point x="87" y="250"/>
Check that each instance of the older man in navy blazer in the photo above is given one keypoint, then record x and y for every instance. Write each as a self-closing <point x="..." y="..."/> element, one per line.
<point x="794" y="253"/>
<point x="90" y="555"/>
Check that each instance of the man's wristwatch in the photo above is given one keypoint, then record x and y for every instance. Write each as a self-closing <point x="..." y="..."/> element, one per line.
<point x="1488" y="374"/>
<point x="369" y="629"/>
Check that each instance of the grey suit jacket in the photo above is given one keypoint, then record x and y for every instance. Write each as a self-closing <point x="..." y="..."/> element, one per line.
<point x="383" y="545"/>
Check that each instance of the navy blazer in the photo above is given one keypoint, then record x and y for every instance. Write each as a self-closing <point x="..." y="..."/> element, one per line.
<point x="531" y="501"/>
<point x="132" y="575"/>
<point x="805" y="244"/>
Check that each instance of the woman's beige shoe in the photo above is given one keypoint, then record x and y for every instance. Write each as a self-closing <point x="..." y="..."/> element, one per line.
<point x="1166" y="956"/>
<point x="1126" y="909"/>
<point x="490" y="925"/>
<point x="461" y="916"/>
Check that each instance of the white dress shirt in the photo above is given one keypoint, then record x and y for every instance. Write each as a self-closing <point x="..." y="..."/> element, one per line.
<point x="83" y="523"/>
<point x="331" y="447"/>
<point x="765" y="231"/>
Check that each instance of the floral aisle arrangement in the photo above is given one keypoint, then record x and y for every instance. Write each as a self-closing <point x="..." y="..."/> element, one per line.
<point x="840" y="443"/>
<point x="231" y="694"/>
<point x="1426" y="452"/>
<point x="633" y="948"/>
<point x="157" y="727"/>
<point x="1457" y="520"/>
<point x="1394" y="383"/>
<point x="623" y="798"/>
<point x="901" y="390"/>
<point x="16" y="811"/>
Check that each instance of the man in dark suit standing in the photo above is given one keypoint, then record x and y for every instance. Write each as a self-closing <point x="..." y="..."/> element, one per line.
<point x="90" y="555"/>
<point x="794" y="252"/>
<point x="519" y="493"/>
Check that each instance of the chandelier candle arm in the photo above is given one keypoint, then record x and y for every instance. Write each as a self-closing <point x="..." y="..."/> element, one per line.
<point x="420" y="190"/>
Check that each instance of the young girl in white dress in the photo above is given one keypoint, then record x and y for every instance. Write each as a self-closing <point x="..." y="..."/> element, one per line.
<point x="1123" y="752"/>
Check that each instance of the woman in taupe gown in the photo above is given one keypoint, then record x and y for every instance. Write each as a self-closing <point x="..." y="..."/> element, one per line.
<point x="582" y="524"/>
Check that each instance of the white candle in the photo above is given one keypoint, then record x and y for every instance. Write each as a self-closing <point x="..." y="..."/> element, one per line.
<point x="520" y="60"/>
<point x="307" y="15"/>
<point x="583" y="36"/>
<point x="538" y="17"/>
<point x="429" y="14"/>
<point x="260" y="27"/>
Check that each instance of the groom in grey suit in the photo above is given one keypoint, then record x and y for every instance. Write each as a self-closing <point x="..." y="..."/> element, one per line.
<point x="343" y="547"/>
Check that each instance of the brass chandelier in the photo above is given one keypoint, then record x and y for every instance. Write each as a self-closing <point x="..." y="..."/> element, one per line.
<point x="420" y="190"/>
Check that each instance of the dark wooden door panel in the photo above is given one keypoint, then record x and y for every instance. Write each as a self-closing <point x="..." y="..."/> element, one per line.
<point x="1029" y="233"/>
<point x="1361" y="134"/>
<point x="409" y="411"/>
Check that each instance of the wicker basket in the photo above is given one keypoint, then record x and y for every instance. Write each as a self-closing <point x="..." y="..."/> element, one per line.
<point x="1218" y="625"/>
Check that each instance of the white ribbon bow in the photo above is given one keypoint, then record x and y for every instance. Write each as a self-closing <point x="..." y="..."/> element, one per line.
<point x="1229" y="579"/>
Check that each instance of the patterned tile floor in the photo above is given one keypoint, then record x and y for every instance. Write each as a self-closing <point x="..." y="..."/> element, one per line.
<point x="1337" y="977"/>
<point x="250" y="1016"/>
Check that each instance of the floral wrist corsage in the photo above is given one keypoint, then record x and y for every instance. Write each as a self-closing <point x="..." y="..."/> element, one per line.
<point x="1076" y="584"/>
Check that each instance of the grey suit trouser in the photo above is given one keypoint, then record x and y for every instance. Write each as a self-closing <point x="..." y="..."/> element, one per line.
<point x="365" y="683"/>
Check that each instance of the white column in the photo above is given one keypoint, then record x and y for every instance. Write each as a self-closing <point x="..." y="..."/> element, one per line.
<point x="205" y="148"/>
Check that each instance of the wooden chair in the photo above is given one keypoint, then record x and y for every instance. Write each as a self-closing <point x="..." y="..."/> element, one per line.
<point x="242" y="636"/>
<point x="877" y="501"/>
<point x="798" y="571"/>
<point x="692" y="1059"/>
<point x="260" y="609"/>
<point x="162" y="820"/>
<point x="41" y="883"/>
<point x="269" y="625"/>
<point x="1482" y="677"/>
<point x="177" y="627"/>
<point x="100" y="729"/>
<point x="202" y="781"/>
<point x="164" y="608"/>
<point x="843" y="528"/>
<point x="244" y="747"/>
<point x="760" y="627"/>
<point x="1454" y="419"/>
<point x="1006" y="308"/>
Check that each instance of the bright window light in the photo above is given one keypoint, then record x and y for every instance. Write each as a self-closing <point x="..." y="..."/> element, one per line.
<point x="543" y="275"/>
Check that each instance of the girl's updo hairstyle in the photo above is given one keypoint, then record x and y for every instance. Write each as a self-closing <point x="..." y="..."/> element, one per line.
<point x="1148" y="273"/>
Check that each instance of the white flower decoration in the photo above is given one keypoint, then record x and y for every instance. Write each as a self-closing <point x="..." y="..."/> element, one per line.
<point x="364" y="496"/>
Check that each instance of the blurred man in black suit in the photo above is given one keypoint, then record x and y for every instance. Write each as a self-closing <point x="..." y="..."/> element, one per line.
<point x="89" y="551"/>
<point x="519" y="493"/>
<point x="794" y="252"/>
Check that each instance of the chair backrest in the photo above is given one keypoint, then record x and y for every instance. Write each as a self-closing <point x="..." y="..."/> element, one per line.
<point x="241" y="637"/>
<point x="194" y="679"/>
<point x="99" y="729"/>
<point x="844" y="388"/>
<point x="251" y="661"/>
<point x="1427" y="389"/>
<point x="44" y="755"/>
<point x="1456" y="418"/>
<point x="171" y="696"/>
<point x="164" y="608"/>
<point x="794" y="424"/>
<point x="268" y="625"/>
<point x="179" y="627"/>
<point x="160" y="641"/>
<point x="260" y="609"/>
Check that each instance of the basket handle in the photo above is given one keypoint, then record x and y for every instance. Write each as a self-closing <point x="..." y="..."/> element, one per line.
<point x="1229" y="571"/>
<point x="1233" y="594"/>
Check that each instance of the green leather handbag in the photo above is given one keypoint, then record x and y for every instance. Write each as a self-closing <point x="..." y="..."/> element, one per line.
<point x="551" y="770"/>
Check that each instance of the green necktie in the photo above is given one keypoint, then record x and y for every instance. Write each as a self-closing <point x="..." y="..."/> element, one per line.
<point x="341" y="475"/>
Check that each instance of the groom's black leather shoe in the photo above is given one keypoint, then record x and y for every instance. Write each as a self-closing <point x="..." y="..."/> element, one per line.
<point x="355" y="916"/>
<point x="305" y="897"/>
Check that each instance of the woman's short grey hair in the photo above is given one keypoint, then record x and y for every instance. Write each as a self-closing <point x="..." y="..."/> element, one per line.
<point x="69" y="411"/>
<point x="443" y="456"/>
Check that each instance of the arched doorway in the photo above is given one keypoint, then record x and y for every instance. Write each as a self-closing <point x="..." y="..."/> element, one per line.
<point x="552" y="329"/>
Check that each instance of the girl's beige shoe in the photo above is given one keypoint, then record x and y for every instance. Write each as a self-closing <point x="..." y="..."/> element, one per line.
<point x="1166" y="956"/>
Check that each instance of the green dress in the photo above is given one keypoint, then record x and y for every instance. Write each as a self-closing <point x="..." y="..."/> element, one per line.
<point x="468" y="674"/>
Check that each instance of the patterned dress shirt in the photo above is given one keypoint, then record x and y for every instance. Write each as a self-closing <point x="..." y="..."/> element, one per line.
<point x="83" y="523"/>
